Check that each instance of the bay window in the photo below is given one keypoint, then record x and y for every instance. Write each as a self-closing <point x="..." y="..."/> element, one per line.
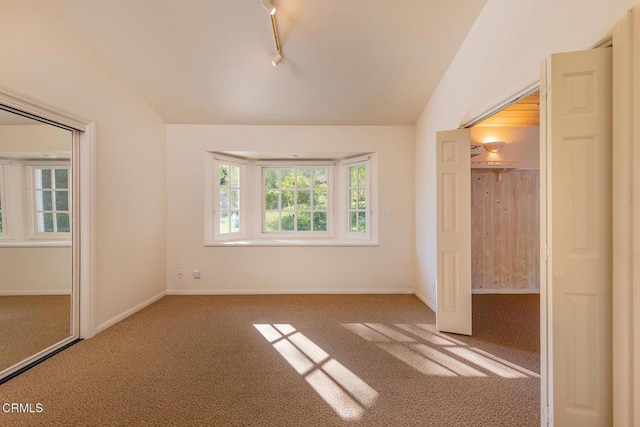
<point x="305" y="202"/>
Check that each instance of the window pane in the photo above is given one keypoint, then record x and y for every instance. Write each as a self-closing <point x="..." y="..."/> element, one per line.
<point x="62" y="200"/>
<point x="235" y="222"/>
<point x="287" y="222"/>
<point x="362" y="203"/>
<point x="0" y="201"/>
<point x="353" y="176"/>
<point x="62" y="220"/>
<point x="304" y="178"/>
<point x="353" y="200"/>
<point x="287" y="178"/>
<point x="43" y="201"/>
<point x="319" y="199"/>
<point x="304" y="199"/>
<point x="353" y="223"/>
<point x="362" y="222"/>
<point x="224" y="175"/>
<point x="320" y="221"/>
<point x="287" y="200"/>
<point x="272" y="220"/>
<point x="224" y="222"/>
<point x="320" y="178"/>
<point x="271" y="200"/>
<point x="62" y="178"/>
<point x="1" y="229"/>
<point x="43" y="178"/>
<point x="45" y="222"/>
<point x="234" y="180"/>
<point x="234" y="196"/>
<point x="362" y="175"/>
<point x="272" y="178"/>
<point x="224" y="198"/>
<point x="304" y="221"/>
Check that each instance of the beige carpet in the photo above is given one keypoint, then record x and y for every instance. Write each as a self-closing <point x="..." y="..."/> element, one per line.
<point x="29" y="324"/>
<point x="371" y="360"/>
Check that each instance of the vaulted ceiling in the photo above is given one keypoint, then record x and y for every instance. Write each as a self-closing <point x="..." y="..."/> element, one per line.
<point x="346" y="62"/>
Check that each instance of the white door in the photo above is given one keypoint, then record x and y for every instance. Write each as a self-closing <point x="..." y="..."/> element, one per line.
<point x="579" y="237"/>
<point x="453" y="182"/>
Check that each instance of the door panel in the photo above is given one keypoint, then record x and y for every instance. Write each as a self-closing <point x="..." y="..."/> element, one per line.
<point x="453" y="170"/>
<point x="579" y="120"/>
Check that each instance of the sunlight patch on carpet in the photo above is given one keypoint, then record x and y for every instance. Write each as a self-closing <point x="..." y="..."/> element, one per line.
<point x="438" y="354"/>
<point x="347" y="394"/>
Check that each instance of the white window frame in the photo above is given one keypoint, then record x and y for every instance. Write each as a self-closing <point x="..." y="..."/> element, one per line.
<point x="215" y="211"/>
<point x="252" y="212"/>
<point x="5" y="202"/>
<point x="31" y="217"/>
<point x="264" y="166"/>
<point x="347" y="164"/>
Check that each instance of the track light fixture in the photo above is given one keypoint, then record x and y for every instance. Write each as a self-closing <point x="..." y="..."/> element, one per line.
<point x="276" y="59"/>
<point x="268" y="5"/>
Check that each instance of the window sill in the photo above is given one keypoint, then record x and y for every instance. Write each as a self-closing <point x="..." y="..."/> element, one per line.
<point x="293" y="242"/>
<point x="35" y="243"/>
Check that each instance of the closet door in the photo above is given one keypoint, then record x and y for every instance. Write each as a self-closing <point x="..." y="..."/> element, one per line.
<point x="453" y="171"/>
<point x="579" y="236"/>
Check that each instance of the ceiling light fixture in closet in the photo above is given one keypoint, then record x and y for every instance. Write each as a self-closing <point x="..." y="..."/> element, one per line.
<point x="493" y="146"/>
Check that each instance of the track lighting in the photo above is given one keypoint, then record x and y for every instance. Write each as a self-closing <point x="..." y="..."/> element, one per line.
<point x="276" y="59"/>
<point x="268" y="5"/>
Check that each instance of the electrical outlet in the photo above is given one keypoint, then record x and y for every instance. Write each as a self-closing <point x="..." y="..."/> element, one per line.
<point x="180" y="274"/>
<point x="386" y="213"/>
<point x="196" y="274"/>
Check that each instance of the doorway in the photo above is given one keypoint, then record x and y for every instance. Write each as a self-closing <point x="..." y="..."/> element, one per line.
<point x="575" y="237"/>
<point x="505" y="227"/>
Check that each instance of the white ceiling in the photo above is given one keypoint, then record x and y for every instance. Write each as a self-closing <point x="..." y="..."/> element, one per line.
<point x="347" y="62"/>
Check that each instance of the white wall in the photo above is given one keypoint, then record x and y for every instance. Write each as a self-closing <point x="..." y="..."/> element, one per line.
<point x="387" y="268"/>
<point x="500" y="57"/>
<point x="522" y="144"/>
<point x="34" y="138"/>
<point x="43" y="58"/>
<point x="35" y="271"/>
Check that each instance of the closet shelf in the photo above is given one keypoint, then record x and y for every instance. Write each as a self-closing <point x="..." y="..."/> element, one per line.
<point x="497" y="166"/>
<point x="476" y="150"/>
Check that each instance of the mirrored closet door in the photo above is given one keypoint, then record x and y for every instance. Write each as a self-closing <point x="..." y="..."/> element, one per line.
<point x="38" y="291"/>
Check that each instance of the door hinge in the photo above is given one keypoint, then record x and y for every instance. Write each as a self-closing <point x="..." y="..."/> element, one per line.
<point x="544" y="91"/>
<point x="545" y="252"/>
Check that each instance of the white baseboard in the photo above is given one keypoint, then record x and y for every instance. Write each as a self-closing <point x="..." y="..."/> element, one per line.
<point x="287" y="291"/>
<point x="425" y="300"/>
<point x="505" y="291"/>
<point x="36" y="292"/>
<point x="129" y="312"/>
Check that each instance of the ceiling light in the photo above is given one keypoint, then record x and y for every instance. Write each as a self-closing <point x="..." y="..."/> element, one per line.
<point x="276" y="59"/>
<point x="268" y="5"/>
<point x="494" y="146"/>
